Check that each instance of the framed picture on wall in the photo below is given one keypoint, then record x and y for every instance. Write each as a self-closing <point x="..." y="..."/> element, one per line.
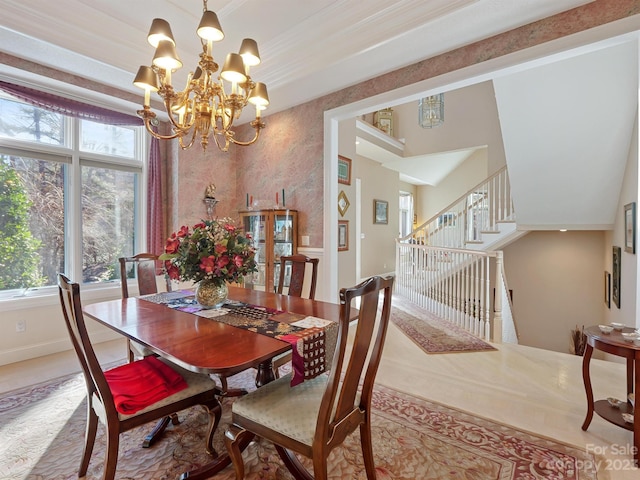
<point x="343" y="235"/>
<point x="607" y="289"/>
<point x="630" y="227"/>
<point x="615" y="276"/>
<point x="380" y="212"/>
<point x="343" y="203"/>
<point x="344" y="170"/>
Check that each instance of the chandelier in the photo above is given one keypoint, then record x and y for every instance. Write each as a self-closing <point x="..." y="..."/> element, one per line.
<point x="209" y="103"/>
<point x="431" y="111"/>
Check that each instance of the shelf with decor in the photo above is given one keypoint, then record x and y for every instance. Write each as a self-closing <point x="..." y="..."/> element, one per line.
<point x="275" y="233"/>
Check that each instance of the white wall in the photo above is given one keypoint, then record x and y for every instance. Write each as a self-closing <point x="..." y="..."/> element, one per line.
<point x="557" y="283"/>
<point x="45" y="328"/>
<point x="629" y="284"/>
<point x="432" y="199"/>
<point x="471" y="120"/>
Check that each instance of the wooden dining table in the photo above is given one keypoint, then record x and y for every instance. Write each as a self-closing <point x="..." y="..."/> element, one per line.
<point x="204" y="345"/>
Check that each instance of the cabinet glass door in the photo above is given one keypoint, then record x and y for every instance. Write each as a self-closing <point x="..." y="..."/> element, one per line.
<point x="283" y="235"/>
<point x="256" y="226"/>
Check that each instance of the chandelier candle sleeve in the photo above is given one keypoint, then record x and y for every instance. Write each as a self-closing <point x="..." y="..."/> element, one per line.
<point x="210" y="102"/>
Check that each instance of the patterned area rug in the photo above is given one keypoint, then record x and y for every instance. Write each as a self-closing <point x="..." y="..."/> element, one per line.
<point x="433" y="334"/>
<point x="42" y="431"/>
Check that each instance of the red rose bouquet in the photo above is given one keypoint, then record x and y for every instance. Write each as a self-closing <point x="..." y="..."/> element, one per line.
<point x="211" y="250"/>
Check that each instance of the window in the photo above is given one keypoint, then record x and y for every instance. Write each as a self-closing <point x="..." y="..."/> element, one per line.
<point x="406" y="214"/>
<point x="70" y="197"/>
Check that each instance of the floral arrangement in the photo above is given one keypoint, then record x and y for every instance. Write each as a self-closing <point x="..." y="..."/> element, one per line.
<point x="211" y="250"/>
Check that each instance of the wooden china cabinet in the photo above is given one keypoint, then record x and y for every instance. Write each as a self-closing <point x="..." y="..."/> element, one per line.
<point x="275" y="233"/>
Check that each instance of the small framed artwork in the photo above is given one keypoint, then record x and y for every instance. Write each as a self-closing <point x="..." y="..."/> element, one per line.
<point x="607" y="289"/>
<point x="630" y="227"/>
<point x="344" y="170"/>
<point x="380" y="212"/>
<point x="343" y="203"/>
<point x="343" y="235"/>
<point x="615" y="276"/>
<point x="383" y="120"/>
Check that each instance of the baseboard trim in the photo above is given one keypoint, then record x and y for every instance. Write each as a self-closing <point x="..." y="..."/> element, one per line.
<point x="56" y="346"/>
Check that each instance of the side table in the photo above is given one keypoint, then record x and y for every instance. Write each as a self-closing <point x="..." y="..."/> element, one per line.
<point x="615" y="344"/>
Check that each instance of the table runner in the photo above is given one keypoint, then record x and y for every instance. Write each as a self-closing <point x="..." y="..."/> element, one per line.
<point x="312" y="339"/>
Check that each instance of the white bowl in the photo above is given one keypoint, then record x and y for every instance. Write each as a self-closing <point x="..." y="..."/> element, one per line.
<point x="627" y="417"/>
<point x="630" y="336"/>
<point x="605" y="328"/>
<point x="618" y="326"/>
<point x="614" y="402"/>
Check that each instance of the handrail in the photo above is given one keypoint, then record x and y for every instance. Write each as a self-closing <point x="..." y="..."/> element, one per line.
<point x="462" y="222"/>
<point x="454" y="284"/>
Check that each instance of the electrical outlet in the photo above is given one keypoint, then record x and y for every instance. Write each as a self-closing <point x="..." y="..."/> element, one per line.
<point x="21" y="326"/>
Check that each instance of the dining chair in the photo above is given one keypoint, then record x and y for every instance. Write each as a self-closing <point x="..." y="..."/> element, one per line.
<point x="317" y="415"/>
<point x="144" y="266"/>
<point x="297" y="286"/>
<point x="101" y="395"/>
<point x="298" y="265"/>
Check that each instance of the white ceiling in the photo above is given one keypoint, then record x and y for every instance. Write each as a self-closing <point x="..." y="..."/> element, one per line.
<point x="308" y="48"/>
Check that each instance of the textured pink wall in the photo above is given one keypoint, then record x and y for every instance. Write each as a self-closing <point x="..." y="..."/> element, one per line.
<point x="191" y="171"/>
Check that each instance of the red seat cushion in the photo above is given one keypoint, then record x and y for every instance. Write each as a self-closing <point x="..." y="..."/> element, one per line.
<point x="137" y="385"/>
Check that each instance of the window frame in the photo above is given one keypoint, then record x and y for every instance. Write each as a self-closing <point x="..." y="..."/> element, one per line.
<point x="74" y="159"/>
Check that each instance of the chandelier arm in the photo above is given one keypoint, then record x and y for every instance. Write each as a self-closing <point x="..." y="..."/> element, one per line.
<point x="258" y="126"/>
<point x="222" y="148"/>
<point x="149" y="128"/>
<point x="191" y="141"/>
<point x="179" y="129"/>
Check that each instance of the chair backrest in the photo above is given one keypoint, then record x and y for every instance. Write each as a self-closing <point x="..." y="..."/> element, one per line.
<point x="93" y="374"/>
<point x="298" y="268"/>
<point x="145" y="267"/>
<point x="343" y="398"/>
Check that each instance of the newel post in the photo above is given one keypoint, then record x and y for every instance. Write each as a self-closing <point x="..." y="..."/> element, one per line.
<point x="496" y="333"/>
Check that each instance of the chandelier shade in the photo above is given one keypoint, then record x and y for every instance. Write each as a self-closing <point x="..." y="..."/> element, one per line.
<point x="209" y="28"/>
<point x="166" y="56"/>
<point x="210" y="101"/>
<point x="249" y="52"/>
<point x="234" y="69"/>
<point x="160" y="30"/>
<point x="431" y="111"/>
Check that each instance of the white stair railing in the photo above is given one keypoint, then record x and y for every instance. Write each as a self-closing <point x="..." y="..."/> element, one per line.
<point x="478" y="211"/>
<point x="454" y="284"/>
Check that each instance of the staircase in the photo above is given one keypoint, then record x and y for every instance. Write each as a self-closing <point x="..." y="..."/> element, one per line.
<point x="450" y="264"/>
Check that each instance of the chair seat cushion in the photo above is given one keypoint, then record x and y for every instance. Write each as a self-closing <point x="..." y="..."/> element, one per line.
<point x="196" y="383"/>
<point x="292" y="411"/>
<point x="137" y="385"/>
